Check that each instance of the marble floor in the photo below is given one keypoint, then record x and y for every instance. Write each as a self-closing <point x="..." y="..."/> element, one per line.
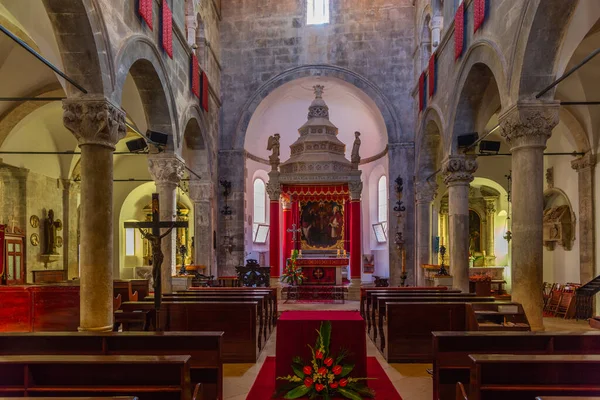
<point x="411" y="380"/>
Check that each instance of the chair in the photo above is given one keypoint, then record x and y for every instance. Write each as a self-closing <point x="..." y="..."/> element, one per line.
<point x="547" y="291"/>
<point x="117" y="302"/>
<point x="565" y="303"/>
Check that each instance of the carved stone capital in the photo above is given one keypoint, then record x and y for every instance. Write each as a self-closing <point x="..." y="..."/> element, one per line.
<point x="201" y="191"/>
<point x="274" y="190"/>
<point x="97" y="122"/>
<point x="459" y="169"/>
<point x="425" y="192"/>
<point x="355" y="188"/>
<point x="166" y="168"/>
<point x="529" y="124"/>
<point x="490" y="206"/>
<point x="588" y="160"/>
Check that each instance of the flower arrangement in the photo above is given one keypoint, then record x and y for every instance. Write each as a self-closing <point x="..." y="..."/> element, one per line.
<point x="325" y="376"/>
<point x="292" y="274"/>
<point x="487" y="277"/>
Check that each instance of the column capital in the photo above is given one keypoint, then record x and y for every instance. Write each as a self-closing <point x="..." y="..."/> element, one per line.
<point x="201" y="191"/>
<point x="165" y="168"/>
<point x="529" y="124"/>
<point x="425" y="191"/>
<point x="490" y="205"/>
<point x="355" y="188"/>
<point x="459" y="169"/>
<point x="588" y="160"/>
<point x="94" y="121"/>
<point x="274" y="190"/>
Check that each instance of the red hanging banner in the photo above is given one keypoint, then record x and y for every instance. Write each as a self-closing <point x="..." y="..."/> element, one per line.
<point x="167" y="29"/>
<point x="432" y="75"/>
<point x="422" y="91"/>
<point x="459" y="31"/>
<point x="145" y="11"/>
<point x="204" y="91"/>
<point x="478" y="14"/>
<point x="195" y="75"/>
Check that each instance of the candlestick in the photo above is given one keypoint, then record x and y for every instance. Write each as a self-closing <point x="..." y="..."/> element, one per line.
<point x="338" y="253"/>
<point x="484" y="253"/>
<point x="344" y="253"/>
<point x="403" y="260"/>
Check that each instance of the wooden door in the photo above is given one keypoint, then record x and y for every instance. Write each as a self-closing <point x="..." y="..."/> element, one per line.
<point x="15" y="266"/>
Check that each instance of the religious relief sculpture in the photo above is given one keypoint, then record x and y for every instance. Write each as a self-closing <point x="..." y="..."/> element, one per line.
<point x="50" y="228"/>
<point x="355" y="156"/>
<point x="559" y="227"/>
<point x="273" y="146"/>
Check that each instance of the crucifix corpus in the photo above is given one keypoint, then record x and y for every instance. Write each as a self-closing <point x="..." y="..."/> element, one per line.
<point x="155" y="241"/>
<point x="294" y="231"/>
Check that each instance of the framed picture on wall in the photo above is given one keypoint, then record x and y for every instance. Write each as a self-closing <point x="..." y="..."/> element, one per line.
<point x="368" y="263"/>
<point x="261" y="234"/>
<point x="380" y="235"/>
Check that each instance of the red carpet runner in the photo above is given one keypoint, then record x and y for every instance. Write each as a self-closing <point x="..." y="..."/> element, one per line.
<point x="264" y="386"/>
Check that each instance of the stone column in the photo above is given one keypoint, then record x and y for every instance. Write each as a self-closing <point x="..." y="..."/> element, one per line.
<point x="167" y="170"/>
<point x="458" y="174"/>
<point x="490" y="215"/>
<point x="98" y="125"/>
<point x="201" y="193"/>
<point x="355" y="240"/>
<point x="587" y="250"/>
<point x="425" y="194"/>
<point x="274" y="191"/>
<point x="527" y="127"/>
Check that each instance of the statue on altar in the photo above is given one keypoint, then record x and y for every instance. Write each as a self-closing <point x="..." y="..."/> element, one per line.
<point x="355" y="156"/>
<point x="50" y="228"/>
<point x="273" y="146"/>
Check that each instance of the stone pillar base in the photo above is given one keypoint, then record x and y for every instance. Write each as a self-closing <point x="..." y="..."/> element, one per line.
<point x="354" y="289"/>
<point x="181" y="283"/>
<point x="276" y="283"/>
<point x="108" y="328"/>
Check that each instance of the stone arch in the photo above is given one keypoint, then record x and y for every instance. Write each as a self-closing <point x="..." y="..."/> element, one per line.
<point x="82" y="40"/>
<point x="429" y="144"/>
<point x="140" y="57"/>
<point x="196" y="143"/>
<point x="575" y="128"/>
<point x="534" y="65"/>
<point x="393" y="126"/>
<point x="481" y="83"/>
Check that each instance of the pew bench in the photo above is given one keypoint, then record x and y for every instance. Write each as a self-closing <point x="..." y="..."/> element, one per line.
<point x="451" y="350"/>
<point x="149" y="377"/>
<point x="365" y="293"/>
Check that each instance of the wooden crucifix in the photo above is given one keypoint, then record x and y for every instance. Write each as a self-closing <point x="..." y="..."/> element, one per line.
<point x="293" y="230"/>
<point x="155" y="240"/>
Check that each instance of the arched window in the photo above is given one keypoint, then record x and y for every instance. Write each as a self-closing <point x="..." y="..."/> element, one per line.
<point x="259" y="215"/>
<point x="382" y="200"/>
<point x="317" y="12"/>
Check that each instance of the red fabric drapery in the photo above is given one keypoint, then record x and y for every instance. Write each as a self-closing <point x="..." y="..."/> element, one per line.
<point x="195" y="73"/>
<point x="355" y="245"/>
<point x="287" y="236"/>
<point x="478" y="14"/>
<point x="274" y="239"/>
<point x="432" y="75"/>
<point x="422" y="91"/>
<point x="167" y="29"/>
<point x="459" y="31"/>
<point x="300" y="190"/>
<point x="347" y="223"/>
<point x="145" y="11"/>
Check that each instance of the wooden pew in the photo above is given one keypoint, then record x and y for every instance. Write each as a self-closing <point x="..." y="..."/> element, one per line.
<point x="263" y="316"/>
<point x="238" y="321"/>
<point x="206" y="364"/>
<point x="407" y="332"/>
<point x="364" y="292"/>
<point x="372" y="307"/>
<point x="150" y="377"/>
<point x="451" y="350"/>
<point x="127" y="289"/>
<point x="524" y="377"/>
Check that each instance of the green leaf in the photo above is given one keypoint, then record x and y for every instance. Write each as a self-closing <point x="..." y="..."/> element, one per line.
<point x="298" y="360"/>
<point x="346" y="369"/>
<point x="362" y="389"/>
<point x="326" y="396"/>
<point x="326" y="335"/>
<point x="298" y="392"/>
<point x="349" y="394"/>
<point x="283" y="389"/>
<point x="299" y="373"/>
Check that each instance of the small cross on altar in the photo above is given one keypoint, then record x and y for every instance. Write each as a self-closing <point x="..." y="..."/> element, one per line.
<point x="155" y="240"/>
<point x="293" y="231"/>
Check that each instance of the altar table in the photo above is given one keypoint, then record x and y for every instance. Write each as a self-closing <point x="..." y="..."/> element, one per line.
<point x="322" y="271"/>
<point x="298" y="329"/>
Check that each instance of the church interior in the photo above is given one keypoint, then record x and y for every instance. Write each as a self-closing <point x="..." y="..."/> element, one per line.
<point x="311" y="199"/>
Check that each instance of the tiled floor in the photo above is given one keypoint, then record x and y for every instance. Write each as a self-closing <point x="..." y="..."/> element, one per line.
<point x="411" y="380"/>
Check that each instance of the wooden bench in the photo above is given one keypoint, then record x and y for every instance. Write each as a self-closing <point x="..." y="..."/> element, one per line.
<point x="238" y="321"/>
<point x="149" y="377"/>
<point x="364" y="293"/>
<point x="206" y="364"/>
<point x="451" y="350"/>
<point x="129" y="287"/>
<point x="525" y="377"/>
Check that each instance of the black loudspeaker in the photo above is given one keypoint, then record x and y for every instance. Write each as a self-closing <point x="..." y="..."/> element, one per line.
<point x="467" y="140"/>
<point x="157" y="137"/>
<point x="137" y="145"/>
<point x="489" y="146"/>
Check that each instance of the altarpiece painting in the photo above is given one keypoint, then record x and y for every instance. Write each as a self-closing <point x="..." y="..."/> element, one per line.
<point x="322" y="225"/>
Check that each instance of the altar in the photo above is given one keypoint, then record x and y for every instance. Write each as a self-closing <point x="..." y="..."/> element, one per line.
<point x="322" y="271"/>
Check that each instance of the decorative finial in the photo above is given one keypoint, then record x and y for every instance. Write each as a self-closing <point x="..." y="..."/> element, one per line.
<point x="319" y="89"/>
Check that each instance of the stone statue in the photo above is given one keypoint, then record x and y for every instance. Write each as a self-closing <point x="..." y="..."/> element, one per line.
<point x="50" y="228"/>
<point x="273" y="145"/>
<point x="355" y="157"/>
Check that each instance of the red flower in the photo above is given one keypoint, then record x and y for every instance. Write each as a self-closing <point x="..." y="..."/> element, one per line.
<point x="307" y="370"/>
<point x="333" y="385"/>
<point x="308" y="382"/>
<point x="337" y="369"/>
<point x="343" y="382"/>
<point x="319" y="355"/>
<point x="319" y="387"/>
<point x="328" y="361"/>
<point x="322" y="371"/>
